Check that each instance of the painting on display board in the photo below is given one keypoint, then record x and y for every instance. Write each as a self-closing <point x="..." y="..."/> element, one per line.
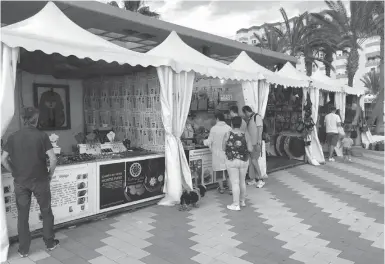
<point x="73" y="197"/>
<point x="53" y="103"/>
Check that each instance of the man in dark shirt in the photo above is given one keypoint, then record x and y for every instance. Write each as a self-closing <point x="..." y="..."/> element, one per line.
<point x="24" y="155"/>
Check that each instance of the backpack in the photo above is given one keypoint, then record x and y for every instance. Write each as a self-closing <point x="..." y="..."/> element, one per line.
<point x="265" y="135"/>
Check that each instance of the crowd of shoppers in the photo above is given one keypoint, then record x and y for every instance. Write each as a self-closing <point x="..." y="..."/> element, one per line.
<point x="236" y="150"/>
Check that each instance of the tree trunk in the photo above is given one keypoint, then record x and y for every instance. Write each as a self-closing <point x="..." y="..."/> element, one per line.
<point x="308" y="67"/>
<point x="329" y="58"/>
<point x="352" y="65"/>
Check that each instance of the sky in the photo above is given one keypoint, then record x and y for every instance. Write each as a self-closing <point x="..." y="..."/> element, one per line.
<point x="224" y="18"/>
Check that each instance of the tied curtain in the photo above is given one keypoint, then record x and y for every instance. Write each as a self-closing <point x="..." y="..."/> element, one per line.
<point x="366" y="137"/>
<point x="314" y="152"/>
<point x="175" y="97"/>
<point x="340" y="103"/>
<point x="8" y="59"/>
<point x="256" y="95"/>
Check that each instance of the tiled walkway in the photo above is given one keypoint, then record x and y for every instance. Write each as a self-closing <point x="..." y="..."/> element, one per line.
<point x="314" y="215"/>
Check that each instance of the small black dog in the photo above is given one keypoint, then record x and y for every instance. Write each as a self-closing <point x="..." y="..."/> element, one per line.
<point x="191" y="199"/>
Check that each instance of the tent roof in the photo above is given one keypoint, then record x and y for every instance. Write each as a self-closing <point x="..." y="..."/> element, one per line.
<point x="332" y="85"/>
<point x="244" y="63"/>
<point x="52" y="32"/>
<point x="357" y="89"/>
<point x="188" y="59"/>
<point x="289" y="71"/>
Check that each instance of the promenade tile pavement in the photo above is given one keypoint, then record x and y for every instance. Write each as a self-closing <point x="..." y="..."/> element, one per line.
<point x="330" y="214"/>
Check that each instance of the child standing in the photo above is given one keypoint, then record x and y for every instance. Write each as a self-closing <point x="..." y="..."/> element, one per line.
<point x="347" y="144"/>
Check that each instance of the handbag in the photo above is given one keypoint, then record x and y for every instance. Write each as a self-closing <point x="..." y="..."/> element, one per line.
<point x="353" y="134"/>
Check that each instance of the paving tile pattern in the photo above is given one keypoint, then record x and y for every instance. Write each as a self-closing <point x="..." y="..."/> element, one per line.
<point x="330" y="214"/>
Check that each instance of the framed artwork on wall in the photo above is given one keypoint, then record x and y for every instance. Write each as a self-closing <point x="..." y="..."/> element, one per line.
<point x="53" y="103"/>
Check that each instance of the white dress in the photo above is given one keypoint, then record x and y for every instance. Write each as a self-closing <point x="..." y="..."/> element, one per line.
<point x="214" y="142"/>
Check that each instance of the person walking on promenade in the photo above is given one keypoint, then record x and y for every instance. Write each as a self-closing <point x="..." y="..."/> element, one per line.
<point x="214" y="142"/>
<point x="237" y="146"/>
<point x="332" y="122"/>
<point x="24" y="155"/>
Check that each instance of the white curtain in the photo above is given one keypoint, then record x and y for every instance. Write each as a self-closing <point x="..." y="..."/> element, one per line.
<point x="8" y="59"/>
<point x="250" y="94"/>
<point x="256" y="95"/>
<point x="340" y="103"/>
<point x="175" y="96"/>
<point x="366" y="137"/>
<point x="314" y="152"/>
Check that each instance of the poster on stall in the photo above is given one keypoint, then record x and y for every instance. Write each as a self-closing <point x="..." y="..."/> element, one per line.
<point x="201" y="166"/>
<point x="124" y="183"/>
<point x="73" y="197"/>
<point x="144" y="179"/>
<point x="111" y="184"/>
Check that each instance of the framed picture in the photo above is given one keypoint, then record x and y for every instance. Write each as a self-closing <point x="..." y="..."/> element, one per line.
<point x="53" y="103"/>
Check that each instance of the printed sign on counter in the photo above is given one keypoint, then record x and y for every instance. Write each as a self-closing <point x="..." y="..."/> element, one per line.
<point x="73" y="197"/>
<point x="144" y="179"/>
<point x="128" y="182"/>
<point x="111" y="182"/>
<point x="201" y="166"/>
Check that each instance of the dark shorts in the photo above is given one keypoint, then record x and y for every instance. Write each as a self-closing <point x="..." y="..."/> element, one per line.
<point x="347" y="151"/>
<point x="332" y="139"/>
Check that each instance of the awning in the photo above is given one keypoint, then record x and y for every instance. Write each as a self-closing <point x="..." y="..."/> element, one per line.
<point x="188" y="59"/>
<point x="289" y="71"/>
<point x="50" y="31"/>
<point x="244" y="63"/>
<point x="330" y="84"/>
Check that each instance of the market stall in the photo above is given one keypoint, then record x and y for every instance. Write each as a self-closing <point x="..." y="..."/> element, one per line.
<point x="310" y="90"/>
<point x="176" y="94"/>
<point x="259" y="95"/>
<point x="82" y="178"/>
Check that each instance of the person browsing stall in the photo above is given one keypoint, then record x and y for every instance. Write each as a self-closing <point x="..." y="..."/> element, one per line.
<point x="24" y="155"/>
<point x="255" y="129"/>
<point x="237" y="145"/>
<point x="214" y="142"/>
<point x="235" y="112"/>
<point x="332" y="122"/>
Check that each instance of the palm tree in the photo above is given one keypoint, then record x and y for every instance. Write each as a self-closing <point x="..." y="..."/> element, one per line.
<point x="270" y="40"/>
<point x="352" y="30"/>
<point x="375" y="25"/>
<point x="371" y="80"/>
<point x="138" y="7"/>
<point x="303" y="38"/>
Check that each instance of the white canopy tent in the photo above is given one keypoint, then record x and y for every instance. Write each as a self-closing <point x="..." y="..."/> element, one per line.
<point x="314" y="151"/>
<point x="176" y="92"/>
<point x="50" y="31"/>
<point x="244" y="63"/>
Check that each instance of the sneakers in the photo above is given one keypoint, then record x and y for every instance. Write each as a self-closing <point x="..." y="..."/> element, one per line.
<point x="234" y="207"/>
<point x="252" y="182"/>
<point x="260" y="184"/>
<point x="21" y="254"/>
<point x="332" y="159"/>
<point x="242" y="203"/>
<point x="55" y="244"/>
<point x="349" y="159"/>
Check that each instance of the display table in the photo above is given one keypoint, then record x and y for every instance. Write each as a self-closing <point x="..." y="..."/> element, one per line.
<point x="87" y="189"/>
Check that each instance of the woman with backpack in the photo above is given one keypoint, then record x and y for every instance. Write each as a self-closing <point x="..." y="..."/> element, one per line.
<point x="237" y="146"/>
